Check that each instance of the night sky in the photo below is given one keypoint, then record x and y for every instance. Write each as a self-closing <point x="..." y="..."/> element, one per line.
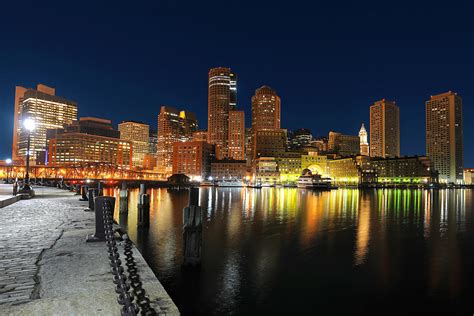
<point x="328" y="61"/>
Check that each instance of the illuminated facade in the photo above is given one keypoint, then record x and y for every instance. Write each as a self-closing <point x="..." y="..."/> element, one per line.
<point x="364" y="144"/>
<point x="269" y="143"/>
<point x="222" y="98"/>
<point x="173" y="126"/>
<point x="299" y="139"/>
<point x="200" y="136"/>
<point x="401" y="170"/>
<point x="344" y="145"/>
<point x="289" y="166"/>
<point x="384" y="129"/>
<point x="153" y="142"/>
<point x="236" y="135"/>
<point x="266" y="170"/>
<point x="444" y="135"/>
<point x="193" y="159"/>
<point x="139" y="135"/>
<point x="90" y="140"/>
<point x="48" y="112"/>
<point x="266" y="109"/>
<point x="229" y="169"/>
<point x="469" y="176"/>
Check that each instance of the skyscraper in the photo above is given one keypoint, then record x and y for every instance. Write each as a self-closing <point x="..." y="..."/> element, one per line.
<point x="265" y="109"/>
<point x="47" y="110"/>
<point x="364" y="144"/>
<point x="384" y="129"/>
<point x="444" y="135"/>
<point x="222" y="98"/>
<point x="173" y="126"/>
<point x="237" y="135"/>
<point x="139" y="135"/>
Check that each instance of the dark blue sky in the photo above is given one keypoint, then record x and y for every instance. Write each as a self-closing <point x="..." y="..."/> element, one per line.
<point x="328" y="60"/>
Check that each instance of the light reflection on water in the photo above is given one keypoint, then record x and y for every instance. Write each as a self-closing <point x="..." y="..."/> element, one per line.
<point x="311" y="250"/>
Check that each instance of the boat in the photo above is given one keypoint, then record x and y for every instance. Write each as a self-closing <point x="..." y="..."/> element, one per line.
<point x="206" y="184"/>
<point x="313" y="181"/>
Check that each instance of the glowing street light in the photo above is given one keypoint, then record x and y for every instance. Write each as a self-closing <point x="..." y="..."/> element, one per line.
<point x="29" y="125"/>
<point x="8" y="161"/>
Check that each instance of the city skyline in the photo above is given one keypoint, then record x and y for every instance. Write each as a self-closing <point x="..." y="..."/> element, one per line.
<point x="306" y="103"/>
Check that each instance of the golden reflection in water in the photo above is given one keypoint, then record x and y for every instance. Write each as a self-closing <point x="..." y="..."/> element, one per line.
<point x="363" y="231"/>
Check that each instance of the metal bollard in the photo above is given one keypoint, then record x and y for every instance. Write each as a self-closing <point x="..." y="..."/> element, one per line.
<point x="100" y="187"/>
<point x="124" y="199"/>
<point x="92" y="193"/>
<point x="101" y="203"/>
<point x="15" y="188"/>
<point x="84" y="189"/>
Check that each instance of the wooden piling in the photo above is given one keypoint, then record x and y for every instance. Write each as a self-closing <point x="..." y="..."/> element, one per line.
<point x="192" y="230"/>
<point x="143" y="208"/>
<point x="123" y="199"/>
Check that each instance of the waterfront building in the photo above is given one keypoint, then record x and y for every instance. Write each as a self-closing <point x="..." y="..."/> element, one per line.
<point x="149" y="161"/>
<point x="401" y="170"/>
<point x="384" y="129"/>
<point x="289" y="166"/>
<point x="343" y="171"/>
<point x="153" y="142"/>
<point x="229" y="169"/>
<point x="364" y="144"/>
<point x="236" y="139"/>
<point x="266" y="170"/>
<point x="269" y="143"/>
<point x="89" y="140"/>
<point x="193" y="158"/>
<point x="344" y="145"/>
<point x="222" y="98"/>
<point x="48" y="111"/>
<point x="299" y="139"/>
<point x="200" y="136"/>
<point x="469" y="176"/>
<point x="444" y="135"/>
<point x="138" y="134"/>
<point x="173" y="126"/>
<point x="315" y="162"/>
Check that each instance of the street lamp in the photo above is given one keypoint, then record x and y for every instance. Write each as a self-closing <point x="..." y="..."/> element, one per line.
<point x="9" y="162"/>
<point x="29" y="125"/>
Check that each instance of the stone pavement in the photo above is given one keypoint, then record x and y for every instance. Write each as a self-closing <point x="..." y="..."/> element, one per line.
<point x="46" y="267"/>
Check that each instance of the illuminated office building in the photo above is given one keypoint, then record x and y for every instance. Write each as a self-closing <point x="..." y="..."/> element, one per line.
<point x="269" y="143"/>
<point x="384" y="129"/>
<point x="139" y="134"/>
<point x="200" y="136"/>
<point x="173" y="126"/>
<point x="344" y="145"/>
<point x="47" y="110"/>
<point x="444" y="135"/>
<point x="265" y="109"/>
<point x="193" y="159"/>
<point x="236" y="140"/>
<point x="90" y="140"/>
<point x="222" y="98"/>
<point x="229" y="169"/>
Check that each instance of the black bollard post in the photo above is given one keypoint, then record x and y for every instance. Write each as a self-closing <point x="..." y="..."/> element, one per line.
<point x="84" y="189"/>
<point x="143" y="208"/>
<point x="78" y="189"/>
<point x="124" y="199"/>
<point x="100" y="187"/>
<point x="102" y="204"/>
<point x="192" y="230"/>
<point x="92" y="193"/>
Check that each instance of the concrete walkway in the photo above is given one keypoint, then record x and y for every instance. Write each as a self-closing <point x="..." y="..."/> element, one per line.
<point x="47" y="268"/>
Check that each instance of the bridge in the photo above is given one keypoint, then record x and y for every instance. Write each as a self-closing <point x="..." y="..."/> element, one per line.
<point x="85" y="171"/>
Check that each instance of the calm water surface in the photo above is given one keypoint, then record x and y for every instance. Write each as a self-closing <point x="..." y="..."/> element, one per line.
<point x="280" y="250"/>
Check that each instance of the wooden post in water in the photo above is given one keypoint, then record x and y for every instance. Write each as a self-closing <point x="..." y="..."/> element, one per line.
<point x="124" y="199"/>
<point x="143" y="208"/>
<point x="192" y="230"/>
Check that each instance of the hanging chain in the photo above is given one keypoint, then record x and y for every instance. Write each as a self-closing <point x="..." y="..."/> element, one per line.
<point x="122" y="288"/>
<point x="134" y="278"/>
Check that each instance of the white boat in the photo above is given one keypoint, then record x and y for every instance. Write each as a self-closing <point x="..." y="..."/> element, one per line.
<point x="230" y="183"/>
<point x="310" y="181"/>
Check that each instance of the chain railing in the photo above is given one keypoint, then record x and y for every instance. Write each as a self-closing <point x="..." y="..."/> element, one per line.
<point x="122" y="288"/>
<point x="125" y="298"/>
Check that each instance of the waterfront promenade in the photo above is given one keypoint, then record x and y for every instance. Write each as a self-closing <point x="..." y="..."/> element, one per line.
<point x="47" y="268"/>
